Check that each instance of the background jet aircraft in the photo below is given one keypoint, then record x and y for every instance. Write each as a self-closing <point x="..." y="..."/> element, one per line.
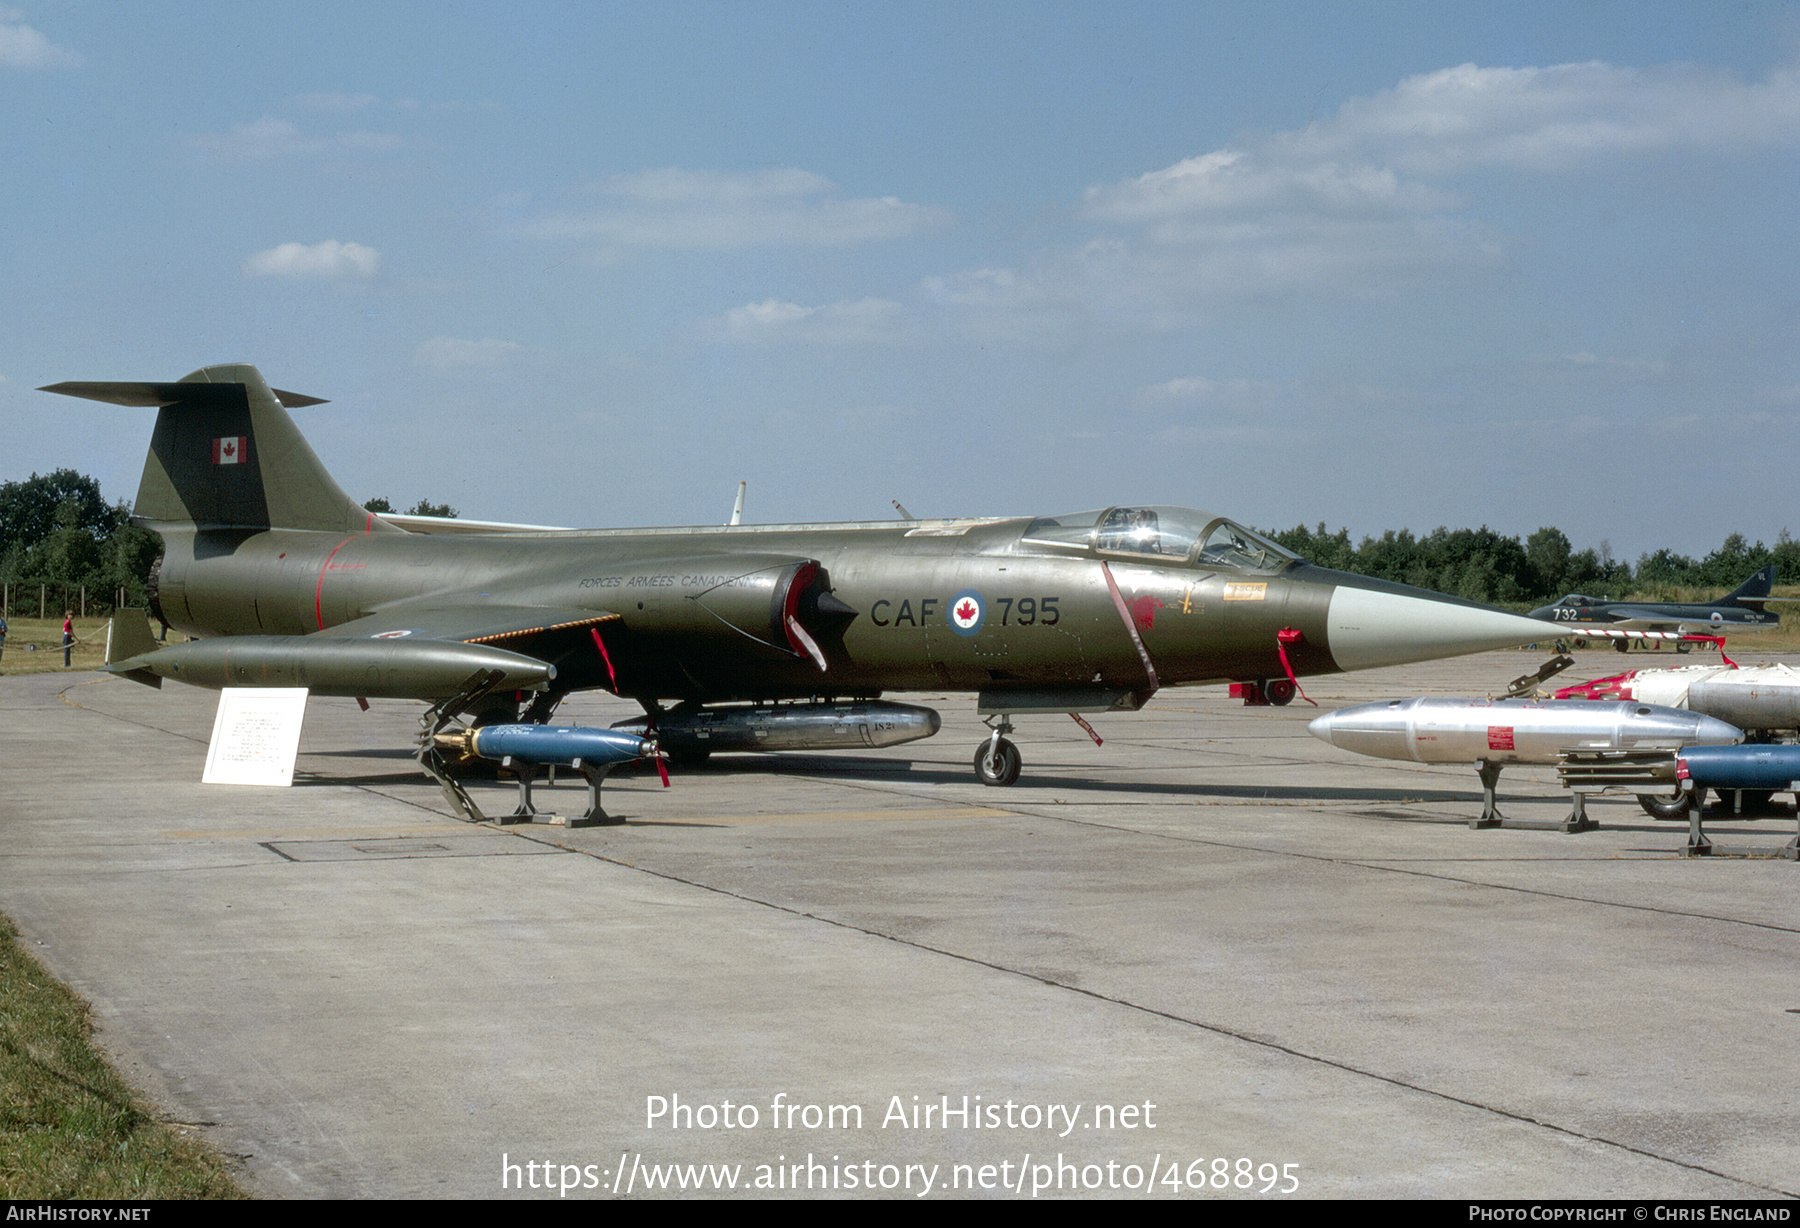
<point x="719" y="632"/>
<point x="1739" y="610"/>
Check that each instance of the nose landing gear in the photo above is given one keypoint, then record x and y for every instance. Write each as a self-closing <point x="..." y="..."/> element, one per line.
<point x="997" y="760"/>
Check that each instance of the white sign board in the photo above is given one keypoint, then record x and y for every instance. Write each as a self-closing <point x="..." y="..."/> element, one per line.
<point x="255" y="736"/>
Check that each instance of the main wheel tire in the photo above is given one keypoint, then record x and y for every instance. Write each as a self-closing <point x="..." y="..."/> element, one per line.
<point x="1279" y="691"/>
<point x="1002" y="769"/>
<point x="1674" y="806"/>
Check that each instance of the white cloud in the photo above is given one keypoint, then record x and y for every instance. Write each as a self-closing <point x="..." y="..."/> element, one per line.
<point x="722" y="210"/>
<point x="865" y="320"/>
<point x="334" y="101"/>
<point x="1588" y="362"/>
<point x="1186" y="390"/>
<point x="1557" y="117"/>
<point x="23" y="47"/>
<point x="1365" y="202"/>
<point x="1232" y="182"/>
<point x="1230" y="396"/>
<point x="329" y="260"/>
<point x="268" y="138"/>
<point x="454" y="353"/>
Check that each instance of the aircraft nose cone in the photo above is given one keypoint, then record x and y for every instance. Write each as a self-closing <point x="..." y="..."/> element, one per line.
<point x="1391" y="625"/>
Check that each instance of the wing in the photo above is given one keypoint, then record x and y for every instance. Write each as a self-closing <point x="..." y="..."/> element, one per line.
<point x="402" y="653"/>
<point x="445" y="524"/>
<point x="569" y="640"/>
<point x="514" y="627"/>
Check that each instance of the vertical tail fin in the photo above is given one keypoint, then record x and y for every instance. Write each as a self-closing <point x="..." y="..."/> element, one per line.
<point x="225" y="454"/>
<point x="1759" y="585"/>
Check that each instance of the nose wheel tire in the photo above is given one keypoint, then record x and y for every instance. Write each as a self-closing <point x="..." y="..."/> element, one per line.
<point x="997" y="762"/>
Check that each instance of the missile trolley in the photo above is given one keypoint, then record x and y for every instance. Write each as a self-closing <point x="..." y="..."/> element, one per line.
<point x="1762" y="700"/>
<point x="523" y="749"/>
<point x="1758" y="769"/>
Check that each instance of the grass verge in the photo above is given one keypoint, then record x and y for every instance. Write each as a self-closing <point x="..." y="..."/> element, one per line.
<point x="69" y="1126"/>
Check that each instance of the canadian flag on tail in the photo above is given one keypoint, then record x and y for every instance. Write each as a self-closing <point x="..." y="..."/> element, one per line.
<point x="230" y="450"/>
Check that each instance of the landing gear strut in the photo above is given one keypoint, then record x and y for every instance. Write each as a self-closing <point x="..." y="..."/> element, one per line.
<point x="997" y="760"/>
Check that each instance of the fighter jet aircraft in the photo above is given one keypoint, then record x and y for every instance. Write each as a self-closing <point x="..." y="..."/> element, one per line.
<point x="1740" y="610"/>
<point x="734" y="637"/>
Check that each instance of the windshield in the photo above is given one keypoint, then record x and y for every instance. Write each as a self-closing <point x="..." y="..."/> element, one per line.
<point x="1229" y="544"/>
<point x="1170" y="534"/>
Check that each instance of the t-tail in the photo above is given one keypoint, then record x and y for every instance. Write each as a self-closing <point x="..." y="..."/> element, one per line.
<point x="226" y="455"/>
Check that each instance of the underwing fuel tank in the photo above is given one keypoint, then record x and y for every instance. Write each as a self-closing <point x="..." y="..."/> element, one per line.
<point x="563" y="745"/>
<point x="1750" y="697"/>
<point x="848" y="725"/>
<point x="366" y="668"/>
<point x="1511" y="730"/>
<point x="1772" y="767"/>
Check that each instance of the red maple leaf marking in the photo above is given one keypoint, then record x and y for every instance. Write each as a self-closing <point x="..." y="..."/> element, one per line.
<point x="966" y="611"/>
<point x="229" y="448"/>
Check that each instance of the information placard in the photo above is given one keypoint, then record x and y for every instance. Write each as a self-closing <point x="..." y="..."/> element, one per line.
<point x="255" y="736"/>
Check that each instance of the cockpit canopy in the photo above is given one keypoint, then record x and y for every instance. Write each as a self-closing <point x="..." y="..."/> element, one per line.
<point x="1170" y="535"/>
<point x="1575" y="601"/>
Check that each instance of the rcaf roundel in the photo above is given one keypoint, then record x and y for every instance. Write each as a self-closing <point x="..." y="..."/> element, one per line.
<point x="967" y="610"/>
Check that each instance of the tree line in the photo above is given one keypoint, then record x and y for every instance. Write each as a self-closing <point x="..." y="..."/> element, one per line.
<point x="57" y="530"/>
<point x="1482" y="565"/>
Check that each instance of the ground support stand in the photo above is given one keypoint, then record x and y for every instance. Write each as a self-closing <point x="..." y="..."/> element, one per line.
<point x="1699" y="844"/>
<point x="527" y="812"/>
<point x="1489" y="772"/>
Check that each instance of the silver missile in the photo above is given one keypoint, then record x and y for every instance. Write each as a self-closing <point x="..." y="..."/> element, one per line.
<point x="1511" y="730"/>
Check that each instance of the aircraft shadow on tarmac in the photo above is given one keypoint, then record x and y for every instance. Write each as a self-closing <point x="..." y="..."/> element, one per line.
<point x="370" y="752"/>
<point x="941" y="774"/>
<point x="888" y="769"/>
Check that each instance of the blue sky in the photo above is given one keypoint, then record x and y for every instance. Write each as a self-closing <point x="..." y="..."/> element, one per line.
<point x="585" y="264"/>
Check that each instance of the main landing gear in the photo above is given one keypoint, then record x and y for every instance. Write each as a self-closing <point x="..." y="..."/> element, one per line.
<point x="997" y="760"/>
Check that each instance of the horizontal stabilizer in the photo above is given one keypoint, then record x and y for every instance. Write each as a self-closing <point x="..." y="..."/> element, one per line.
<point x="155" y="396"/>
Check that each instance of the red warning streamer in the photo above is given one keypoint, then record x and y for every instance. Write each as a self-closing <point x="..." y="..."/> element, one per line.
<point x="1284" y="637"/>
<point x="612" y="678"/>
<point x="1131" y="627"/>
